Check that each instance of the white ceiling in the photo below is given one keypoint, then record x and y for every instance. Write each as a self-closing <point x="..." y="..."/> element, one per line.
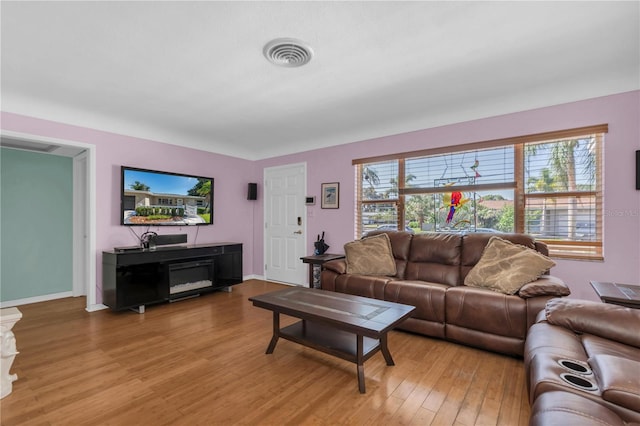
<point x="193" y="73"/>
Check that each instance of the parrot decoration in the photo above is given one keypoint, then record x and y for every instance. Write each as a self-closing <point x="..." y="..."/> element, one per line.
<point x="455" y="201"/>
<point x="475" y="168"/>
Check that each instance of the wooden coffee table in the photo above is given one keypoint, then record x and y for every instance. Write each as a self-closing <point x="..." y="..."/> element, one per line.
<point x="350" y="327"/>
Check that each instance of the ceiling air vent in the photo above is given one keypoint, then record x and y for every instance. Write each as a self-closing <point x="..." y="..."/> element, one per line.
<point x="287" y="52"/>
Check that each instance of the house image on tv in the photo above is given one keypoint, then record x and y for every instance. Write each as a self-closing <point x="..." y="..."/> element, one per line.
<point x="146" y="207"/>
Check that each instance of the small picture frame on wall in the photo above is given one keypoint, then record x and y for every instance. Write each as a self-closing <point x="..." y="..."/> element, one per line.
<point x="330" y="195"/>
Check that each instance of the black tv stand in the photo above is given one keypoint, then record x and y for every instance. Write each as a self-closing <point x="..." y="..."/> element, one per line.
<point x="135" y="277"/>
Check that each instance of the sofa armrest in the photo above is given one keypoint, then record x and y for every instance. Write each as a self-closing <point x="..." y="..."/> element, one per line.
<point x="546" y="285"/>
<point x="608" y="321"/>
<point x="339" y="266"/>
<point x="618" y="379"/>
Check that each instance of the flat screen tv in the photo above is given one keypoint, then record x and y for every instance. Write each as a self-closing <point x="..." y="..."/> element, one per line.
<point x="155" y="198"/>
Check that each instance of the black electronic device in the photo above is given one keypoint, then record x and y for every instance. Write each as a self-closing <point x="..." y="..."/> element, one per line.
<point x="155" y="198"/>
<point x="252" y="191"/>
<point x="162" y="240"/>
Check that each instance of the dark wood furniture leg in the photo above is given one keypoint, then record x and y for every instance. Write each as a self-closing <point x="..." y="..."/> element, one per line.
<point x="360" y="363"/>
<point x="385" y="350"/>
<point x="276" y="333"/>
<point x="311" y="268"/>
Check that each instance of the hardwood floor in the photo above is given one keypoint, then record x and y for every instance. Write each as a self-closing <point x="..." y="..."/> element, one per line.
<point x="202" y="362"/>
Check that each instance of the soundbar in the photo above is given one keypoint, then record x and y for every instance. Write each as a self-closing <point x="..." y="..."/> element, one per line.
<point x="163" y="240"/>
<point x="155" y="240"/>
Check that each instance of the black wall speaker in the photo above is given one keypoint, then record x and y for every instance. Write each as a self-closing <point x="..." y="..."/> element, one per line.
<point x="252" y="191"/>
<point x="637" y="169"/>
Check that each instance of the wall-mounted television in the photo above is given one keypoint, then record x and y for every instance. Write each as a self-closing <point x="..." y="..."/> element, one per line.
<point x="155" y="198"/>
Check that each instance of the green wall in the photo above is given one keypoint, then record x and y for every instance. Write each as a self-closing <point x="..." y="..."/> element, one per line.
<point x="36" y="233"/>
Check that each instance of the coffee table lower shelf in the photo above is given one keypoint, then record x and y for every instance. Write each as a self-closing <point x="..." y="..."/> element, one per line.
<point x="330" y="340"/>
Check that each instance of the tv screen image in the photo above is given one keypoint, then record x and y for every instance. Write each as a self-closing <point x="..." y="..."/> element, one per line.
<point x="155" y="198"/>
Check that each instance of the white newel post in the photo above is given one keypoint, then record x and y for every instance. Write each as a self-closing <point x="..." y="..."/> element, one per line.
<point x="8" y="351"/>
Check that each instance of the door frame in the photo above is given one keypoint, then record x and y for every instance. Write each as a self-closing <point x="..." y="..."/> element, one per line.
<point x="84" y="203"/>
<point x="80" y="231"/>
<point x="264" y="213"/>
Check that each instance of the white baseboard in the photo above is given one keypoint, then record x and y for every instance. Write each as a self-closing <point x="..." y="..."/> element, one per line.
<point x="36" y="299"/>
<point x="253" y="277"/>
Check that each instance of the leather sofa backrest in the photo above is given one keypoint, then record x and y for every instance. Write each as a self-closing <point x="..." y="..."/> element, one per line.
<point x="473" y="245"/>
<point x="444" y="258"/>
<point x="605" y="320"/>
<point x="435" y="258"/>
<point x="400" y="245"/>
<point x="542" y="248"/>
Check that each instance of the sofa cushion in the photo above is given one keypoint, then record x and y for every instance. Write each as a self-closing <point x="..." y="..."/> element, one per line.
<point x="617" y="380"/>
<point x="546" y="285"/>
<point x="595" y="345"/>
<point x="474" y="243"/>
<point x="567" y="408"/>
<point x="435" y="258"/>
<point x="505" y="267"/>
<point x="362" y="285"/>
<point x="486" y="311"/>
<point x="602" y="319"/>
<point x="428" y="298"/>
<point x="370" y="256"/>
<point x="400" y="246"/>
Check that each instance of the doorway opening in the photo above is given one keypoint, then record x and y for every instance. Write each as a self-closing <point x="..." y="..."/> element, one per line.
<point x="84" y="188"/>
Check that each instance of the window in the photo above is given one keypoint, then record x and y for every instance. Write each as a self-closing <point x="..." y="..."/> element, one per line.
<point x="563" y="196"/>
<point x="547" y="185"/>
<point x="378" y="206"/>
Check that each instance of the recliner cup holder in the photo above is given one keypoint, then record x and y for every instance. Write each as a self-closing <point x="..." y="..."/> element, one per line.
<point x="578" y="382"/>
<point x="577" y="367"/>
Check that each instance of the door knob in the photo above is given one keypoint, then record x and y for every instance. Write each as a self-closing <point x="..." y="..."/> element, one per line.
<point x="297" y="232"/>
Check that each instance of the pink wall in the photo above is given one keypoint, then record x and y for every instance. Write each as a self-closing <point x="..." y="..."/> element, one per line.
<point x="234" y="215"/>
<point x="622" y="201"/>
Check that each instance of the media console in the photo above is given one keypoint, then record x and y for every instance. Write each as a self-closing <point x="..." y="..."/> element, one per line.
<point x="134" y="278"/>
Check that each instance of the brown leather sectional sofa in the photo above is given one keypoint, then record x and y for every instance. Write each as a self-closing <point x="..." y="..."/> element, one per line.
<point x="583" y="364"/>
<point x="431" y="268"/>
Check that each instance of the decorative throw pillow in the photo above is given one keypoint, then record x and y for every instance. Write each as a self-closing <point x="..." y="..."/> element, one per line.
<point x="546" y="285"/>
<point x="505" y="267"/>
<point x="370" y="256"/>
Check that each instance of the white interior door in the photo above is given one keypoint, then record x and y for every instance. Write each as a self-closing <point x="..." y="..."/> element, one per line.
<point x="285" y="223"/>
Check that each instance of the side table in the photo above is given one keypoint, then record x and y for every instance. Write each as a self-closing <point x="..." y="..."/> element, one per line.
<point x="619" y="294"/>
<point x="318" y="259"/>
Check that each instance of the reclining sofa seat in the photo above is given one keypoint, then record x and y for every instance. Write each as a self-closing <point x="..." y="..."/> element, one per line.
<point x="603" y="341"/>
<point x="431" y="269"/>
